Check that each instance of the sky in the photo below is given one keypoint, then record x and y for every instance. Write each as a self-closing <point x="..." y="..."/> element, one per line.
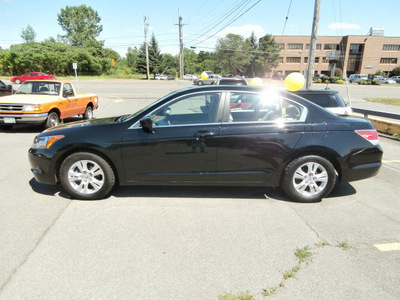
<point x="204" y="21"/>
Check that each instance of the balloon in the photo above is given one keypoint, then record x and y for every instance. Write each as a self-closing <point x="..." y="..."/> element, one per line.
<point x="294" y="81"/>
<point x="256" y="81"/>
<point x="204" y="75"/>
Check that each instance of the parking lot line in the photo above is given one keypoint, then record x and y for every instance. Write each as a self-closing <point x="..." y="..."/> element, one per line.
<point x="388" y="247"/>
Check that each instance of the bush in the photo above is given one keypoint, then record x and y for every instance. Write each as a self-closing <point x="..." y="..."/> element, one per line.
<point x="340" y="81"/>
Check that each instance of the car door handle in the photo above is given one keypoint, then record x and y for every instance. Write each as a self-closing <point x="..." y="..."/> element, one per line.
<point x="203" y="134"/>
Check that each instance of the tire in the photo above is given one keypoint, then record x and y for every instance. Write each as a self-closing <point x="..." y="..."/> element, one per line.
<point x="86" y="176"/>
<point x="17" y="81"/>
<point x="52" y="120"/>
<point x="88" y="113"/>
<point x="199" y="82"/>
<point x="308" y="179"/>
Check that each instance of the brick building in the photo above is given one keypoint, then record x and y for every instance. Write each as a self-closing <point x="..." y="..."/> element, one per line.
<point x="357" y="54"/>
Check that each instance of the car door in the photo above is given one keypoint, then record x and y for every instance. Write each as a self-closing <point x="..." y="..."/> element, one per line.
<point x="70" y="102"/>
<point x="256" y="139"/>
<point x="182" y="144"/>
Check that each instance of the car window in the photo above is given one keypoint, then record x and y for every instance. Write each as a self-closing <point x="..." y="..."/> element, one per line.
<point x="68" y="90"/>
<point x="324" y="100"/>
<point x="2" y="85"/>
<point x="193" y="109"/>
<point x="265" y="107"/>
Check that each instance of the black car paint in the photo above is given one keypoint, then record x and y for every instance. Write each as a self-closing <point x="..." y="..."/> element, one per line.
<point x="212" y="154"/>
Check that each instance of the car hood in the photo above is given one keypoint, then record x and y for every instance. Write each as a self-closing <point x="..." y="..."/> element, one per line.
<point x="29" y="99"/>
<point x="84" y="123"/>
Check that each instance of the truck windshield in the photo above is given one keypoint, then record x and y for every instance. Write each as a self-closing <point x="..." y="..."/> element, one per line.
<point x="42" y="88"/>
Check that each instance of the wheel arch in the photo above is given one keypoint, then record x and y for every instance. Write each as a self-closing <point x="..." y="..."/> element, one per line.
<point x="87" y="150"/>
<point x="333" y="157"/>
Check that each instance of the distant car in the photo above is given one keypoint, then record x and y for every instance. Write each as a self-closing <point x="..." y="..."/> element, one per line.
<point x="192" y="137"/>
<point x="355" y="78"/>
<point x="211" y="79"/>
<point x="5" y="90"/>
<point x="32" y="76"/>
<point x="384" y="80"/>
<point x="170" y="77"/>
<point x="231" y="81"/>
<point x="189" y="77"/>
<point x="396" y="78"/>
<point x="160" y="77"/>
<point x="328" y="99"/>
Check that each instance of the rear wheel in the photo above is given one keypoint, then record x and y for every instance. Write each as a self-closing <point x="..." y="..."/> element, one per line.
<point x="308" y="178"/>
<point x="86" y="176"/>
<point x="88" y="113"/>
<point x="52" y="120"/>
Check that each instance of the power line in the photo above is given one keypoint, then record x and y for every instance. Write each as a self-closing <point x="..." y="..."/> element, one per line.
<point x="287" y="17"/>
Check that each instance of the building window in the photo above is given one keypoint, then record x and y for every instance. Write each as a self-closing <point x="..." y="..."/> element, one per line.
<point x="325" y="61"/>
<point x="389" y="47"/>
<point x="356" y="48"/>
<point x="292" y="46"/>
<point x="293" y="60"/>
<point x="331" y="46"/>
<point x="281" y="46"/>
<point x="387" y="60"/>
<point x="318" y="47"/>
<point x="352" y="60"/>
<point x="316" y="60"/>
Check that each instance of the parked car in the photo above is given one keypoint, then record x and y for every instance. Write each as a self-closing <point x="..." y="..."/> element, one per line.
<point x="193" y="137"/>
<point x="170" y="77"/>
<point x="189" y="77"/>
<point x="328" y="99"/>
<point x="231" y="81"/>
<point x="396" y="78"/>
<point x="384" y="80"/>
<point x="46" y="102"/>
<point x="5" y="90"/>
<point x="32" y="76"/>
<point x="211" y="79"/>
<point x="355" y="78"/>
<point x="160" y="77"/>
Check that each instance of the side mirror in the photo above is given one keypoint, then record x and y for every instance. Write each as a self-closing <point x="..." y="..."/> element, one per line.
<point x="9" y="87"/>
<point x="147" y="125"/>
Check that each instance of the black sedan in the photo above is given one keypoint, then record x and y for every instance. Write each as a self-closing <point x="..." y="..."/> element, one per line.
<point x="195" y="137"/>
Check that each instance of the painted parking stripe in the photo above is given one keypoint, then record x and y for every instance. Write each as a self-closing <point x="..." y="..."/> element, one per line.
<point x="388" y="247"/>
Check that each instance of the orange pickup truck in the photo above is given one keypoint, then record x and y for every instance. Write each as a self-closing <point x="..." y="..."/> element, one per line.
<point x="45" y="102"/>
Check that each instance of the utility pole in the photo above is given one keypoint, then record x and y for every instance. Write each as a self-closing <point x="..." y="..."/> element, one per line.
<point x="181" y="56"/>
<point x="147" y="47"/>
<point x="313" y="45"/>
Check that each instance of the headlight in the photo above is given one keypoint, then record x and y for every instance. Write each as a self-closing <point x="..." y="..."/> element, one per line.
<point x="45" y="142"/>
<point x="33" y="107"/>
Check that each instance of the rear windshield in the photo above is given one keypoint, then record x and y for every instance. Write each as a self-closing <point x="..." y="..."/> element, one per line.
<point x="233" y="82"/>
<point x="326" y="100"/>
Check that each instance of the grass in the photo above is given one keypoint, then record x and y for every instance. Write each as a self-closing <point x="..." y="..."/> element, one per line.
<point x="241" y="296"/>
<point x="388" y="101"/>
<point x="344" y="246"/>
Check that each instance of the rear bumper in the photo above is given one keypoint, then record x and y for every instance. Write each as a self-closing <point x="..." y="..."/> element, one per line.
<point x="10" y="119"/>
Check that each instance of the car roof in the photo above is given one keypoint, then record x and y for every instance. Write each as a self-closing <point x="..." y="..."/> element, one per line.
<point x="302" y="92"/>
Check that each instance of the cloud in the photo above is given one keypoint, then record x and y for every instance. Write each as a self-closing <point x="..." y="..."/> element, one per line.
<point x="336" y="26"/>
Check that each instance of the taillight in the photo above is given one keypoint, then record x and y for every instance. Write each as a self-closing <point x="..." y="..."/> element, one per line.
<point x="370" y="135"/>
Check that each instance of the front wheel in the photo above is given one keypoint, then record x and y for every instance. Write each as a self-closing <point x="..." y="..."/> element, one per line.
<point x="52" y="120"/>
<point x="86" y="176"/>
<point x="17" y="81"/>
<point x="308" y="178"/>
<point x="88" y="113"/>
<point x="200" y="82"/>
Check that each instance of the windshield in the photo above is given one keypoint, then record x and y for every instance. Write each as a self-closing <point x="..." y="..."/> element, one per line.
<point x="42" y="88"/>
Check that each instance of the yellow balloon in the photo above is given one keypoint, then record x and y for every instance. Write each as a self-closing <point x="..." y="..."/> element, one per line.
<point x="256" y="81"/>
<point x="204" y="75"/>
<point x="294" y="81"/>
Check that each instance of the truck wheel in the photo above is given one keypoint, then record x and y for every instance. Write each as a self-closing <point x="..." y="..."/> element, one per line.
<point x="88" y="113"/>
<point x="86" y="176"/>
<point x="308" y="178"/>
<point x="52" y="120"/>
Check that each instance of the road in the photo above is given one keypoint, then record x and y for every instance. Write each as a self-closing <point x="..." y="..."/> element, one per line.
<point x="192" y="243"/>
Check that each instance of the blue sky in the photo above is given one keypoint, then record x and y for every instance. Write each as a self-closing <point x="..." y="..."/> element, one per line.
<point x="123" y="20"/>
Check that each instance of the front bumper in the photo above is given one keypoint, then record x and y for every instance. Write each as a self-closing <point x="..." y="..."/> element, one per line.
<point x="42" y="167"/>
<point x="11" y="119"/>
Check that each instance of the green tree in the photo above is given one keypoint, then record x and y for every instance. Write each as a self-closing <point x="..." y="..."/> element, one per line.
<point x="28" y="34"/>
<point x="132" y="57"/>
<point x="269" y="53"/>
<point x="190" y="60"/>
<point x="155" y="57"/>
<point x="81" y="24"/>
<point x="232" y="54"/>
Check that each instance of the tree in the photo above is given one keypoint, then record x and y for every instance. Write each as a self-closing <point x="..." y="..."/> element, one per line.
<point x="155" y="57"/>
<point x="81" y="23"/>
<point x="269" y="52"/>
<point x="28" y="34"/>
<point x="232" y="54"/>
<point x="132" y="57"/>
